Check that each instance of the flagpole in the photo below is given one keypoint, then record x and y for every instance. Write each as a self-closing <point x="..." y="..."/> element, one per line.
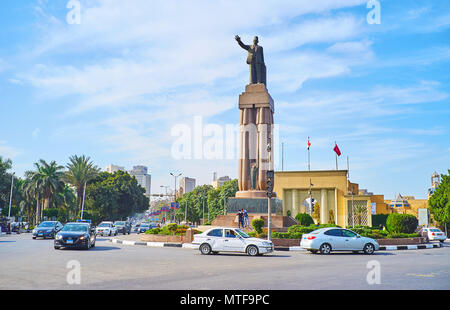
<point x="309" y="158"/>
<point x="348" y="169"/>
<point x="336" y="156"/>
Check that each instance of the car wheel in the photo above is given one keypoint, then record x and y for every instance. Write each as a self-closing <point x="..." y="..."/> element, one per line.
<point x="57" y="247"/>
<point x="442" y="241"/>
<point x="325" y="248"/>
<point x="369" y="249"/>
<point x="205" y="249"/>
<point x="252" y="250"/>
<point x="34" y="237"/>
<point x="110" y="233"/>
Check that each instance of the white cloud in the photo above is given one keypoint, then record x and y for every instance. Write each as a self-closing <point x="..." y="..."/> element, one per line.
<point x="8" y="151"/>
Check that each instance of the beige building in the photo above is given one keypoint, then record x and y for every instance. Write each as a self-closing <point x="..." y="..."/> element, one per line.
<point x="335" y="199"/>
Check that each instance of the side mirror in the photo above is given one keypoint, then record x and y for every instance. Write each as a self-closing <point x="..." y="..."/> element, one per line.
<point x="358" y="236"/>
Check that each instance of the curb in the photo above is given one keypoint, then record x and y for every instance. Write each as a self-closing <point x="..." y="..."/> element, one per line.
<point x="410" y="247"/>
<point x="292" y="248"/>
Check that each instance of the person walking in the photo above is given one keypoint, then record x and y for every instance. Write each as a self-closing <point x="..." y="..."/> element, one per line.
<point x="245" y="219"/>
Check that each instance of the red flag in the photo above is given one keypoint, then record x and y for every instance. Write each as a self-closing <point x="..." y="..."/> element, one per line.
<point x="336" y="149"/>
<point x="309" y="143"/>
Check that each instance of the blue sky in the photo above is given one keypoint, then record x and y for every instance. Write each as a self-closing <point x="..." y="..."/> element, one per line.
<point x="113" y="86"/>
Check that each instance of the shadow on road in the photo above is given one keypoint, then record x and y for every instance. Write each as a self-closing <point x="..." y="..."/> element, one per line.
<point x="245" y="255"/>
<point x="7" y="241"/>
<point x="94" y="249"/>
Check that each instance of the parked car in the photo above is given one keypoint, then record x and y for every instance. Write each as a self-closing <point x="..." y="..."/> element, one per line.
<point x="144" y="227"/>
<point x="123" y="227"/>
<point x="135" y="228"/>
<point x="227" y="239"/>
<point x="106" y="228"/>
<point x="75" y="235"/>
<point x="433" y="233"/>
<point x="47" y="229"/>
<point x="329" y="239"/>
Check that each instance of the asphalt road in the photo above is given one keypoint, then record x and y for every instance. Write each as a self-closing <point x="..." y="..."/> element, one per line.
<point x="35" y="264"/>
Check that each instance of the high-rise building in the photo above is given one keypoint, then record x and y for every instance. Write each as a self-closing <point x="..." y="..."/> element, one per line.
<point x="113" y="168"/>
<point x="186" y="185"/>
<point x="143" y="177"/>
<point x="219" y="182"/>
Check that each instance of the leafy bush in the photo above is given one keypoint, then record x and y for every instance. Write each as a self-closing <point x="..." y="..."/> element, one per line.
<point x="401" y="223"/>
<point x="403" y="235"/>
<point x="301" y="229"/>
<point x="258" y="224"/>
<point x="153" y="231"/>
<point x="304" y="219"/>
<point x="252" y="234"/>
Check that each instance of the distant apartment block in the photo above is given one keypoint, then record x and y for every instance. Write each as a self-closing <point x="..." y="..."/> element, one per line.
<point x="143" y="177"/>
<point x="113" y="168"/>
<point x="186" y="185"/>
<point x="218" y="182"/>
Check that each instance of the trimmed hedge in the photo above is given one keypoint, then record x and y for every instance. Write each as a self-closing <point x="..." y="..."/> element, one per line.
<point x="304" y="219"/>
<point x="401" y="223"/>
<point x="258" y="224"/>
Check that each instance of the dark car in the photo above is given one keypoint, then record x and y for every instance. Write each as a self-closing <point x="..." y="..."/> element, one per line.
<point x="47" y="229"/>
<point x="75" y="235"/>
<point x="123" y="227"/>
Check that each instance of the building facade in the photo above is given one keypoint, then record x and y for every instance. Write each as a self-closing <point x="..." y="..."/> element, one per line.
<point x="219" y="181"/>
<point x="335" y="199"/>
<point x="186" y="185"/>
<point x="113" y="168"/>
<point x="143" y="178"/>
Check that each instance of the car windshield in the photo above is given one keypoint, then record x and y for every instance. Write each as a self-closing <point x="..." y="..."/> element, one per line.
<point x="75" y="227"/>
<point x="242" y="234"/>
<point x="47" y="224"/>
<point x="104" y="225"/>
<point x="435" y="230"/>
<point x="120" y="223"/>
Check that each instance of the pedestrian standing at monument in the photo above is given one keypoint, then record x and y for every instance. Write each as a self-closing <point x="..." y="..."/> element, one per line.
<point x="240" y="216"/>
<point x="245" y="219"/>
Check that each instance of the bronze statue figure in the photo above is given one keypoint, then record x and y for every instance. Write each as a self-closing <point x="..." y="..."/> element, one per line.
<point x="255" y="60"/>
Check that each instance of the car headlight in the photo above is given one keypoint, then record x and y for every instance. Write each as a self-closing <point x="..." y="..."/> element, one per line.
<point x="267" y="243"/>
<point x="58" y="237"/>
<point x="34" y="231"/>
<point x="83" y="237"/>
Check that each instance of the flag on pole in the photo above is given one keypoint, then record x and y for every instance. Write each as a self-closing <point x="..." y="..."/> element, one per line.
<point x="336" y="149"/>
<point x="309" y="144"/>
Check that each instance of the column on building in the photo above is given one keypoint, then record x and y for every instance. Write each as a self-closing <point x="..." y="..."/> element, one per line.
<point x="294" y="202"/>
<point x="324" y="206"/>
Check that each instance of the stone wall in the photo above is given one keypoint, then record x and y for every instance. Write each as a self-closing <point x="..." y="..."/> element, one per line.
<point x="164" y="238"/>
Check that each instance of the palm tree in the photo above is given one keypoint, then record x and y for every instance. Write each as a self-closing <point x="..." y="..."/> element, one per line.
<point x="80" y="171"/>
<point x="45" y="182"/>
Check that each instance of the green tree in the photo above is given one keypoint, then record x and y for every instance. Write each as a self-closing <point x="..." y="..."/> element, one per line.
<point x="5" y="181"/>
<point x="81" y="170"/>
<point x="47" y="181"/>
<point x="304" y="219"/>
<point x="115" y="196"/>
<point x="439" y="202"/>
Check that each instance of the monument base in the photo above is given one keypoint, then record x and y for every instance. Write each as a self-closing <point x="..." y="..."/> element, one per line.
<point x="253" y="194"/>
<point x="254" y="205"/>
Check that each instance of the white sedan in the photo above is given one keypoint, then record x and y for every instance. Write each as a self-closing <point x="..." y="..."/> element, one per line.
<point x="328" y="239"/>
<point x="106" y="228"/>
<point x="433" y="234"/>
<point x="225" y="239"/>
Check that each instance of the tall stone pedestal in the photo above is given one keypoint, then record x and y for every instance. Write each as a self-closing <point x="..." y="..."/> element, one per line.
<point x="256" y="133"/>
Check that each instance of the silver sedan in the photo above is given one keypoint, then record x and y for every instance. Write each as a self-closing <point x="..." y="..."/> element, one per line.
<point x="325" y="240"/>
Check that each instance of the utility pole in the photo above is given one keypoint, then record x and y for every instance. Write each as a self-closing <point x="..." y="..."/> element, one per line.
<point x="185" y="213"/>
<point x="10" y="195"/>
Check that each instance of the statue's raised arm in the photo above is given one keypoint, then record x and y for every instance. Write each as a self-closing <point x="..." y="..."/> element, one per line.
<point x="241" y="44"/>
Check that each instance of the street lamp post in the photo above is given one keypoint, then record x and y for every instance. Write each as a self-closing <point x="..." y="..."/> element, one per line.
<point x="175" y="193"/>
<point x="10" y="195"/>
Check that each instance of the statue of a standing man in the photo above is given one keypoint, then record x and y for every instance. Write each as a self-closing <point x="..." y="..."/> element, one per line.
<point x="256" y="61"/>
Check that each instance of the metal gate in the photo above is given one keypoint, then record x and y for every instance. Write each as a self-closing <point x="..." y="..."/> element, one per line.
<point x="357" y="213"/>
